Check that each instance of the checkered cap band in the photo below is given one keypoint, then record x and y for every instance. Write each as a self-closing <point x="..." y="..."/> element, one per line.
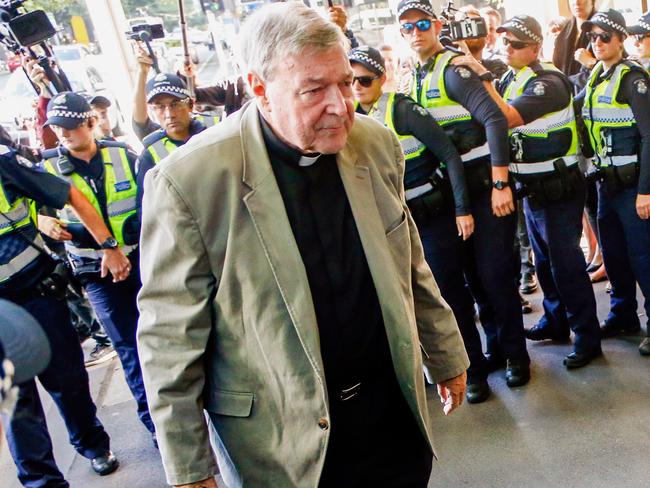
<point x="523" y="28"/>
<point x="363" y="58"/>
<point x="415" y="5"/>
<point x="644" y="24"/>
<point x="168" y="89"/>
<point x="602" y="18"/>
<point x="68" y="114"/>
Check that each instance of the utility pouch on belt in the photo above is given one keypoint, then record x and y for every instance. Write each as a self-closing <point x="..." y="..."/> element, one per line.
<point x="431" y="203"/>
<point x="556" y="187"/>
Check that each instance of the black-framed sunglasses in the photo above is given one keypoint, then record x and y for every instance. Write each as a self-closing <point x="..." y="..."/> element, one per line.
<point x="365" y="81"/>
<point x="640" y="37"/>
<point x="516" y="45"/>
<point x="606" y="37"/>
<point x="422" y="25"/>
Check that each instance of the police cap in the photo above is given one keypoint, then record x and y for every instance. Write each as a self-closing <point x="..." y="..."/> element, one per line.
<point x="166" y="84"/>
<point x="369" y="58"/>
<point x="68" y="110"/>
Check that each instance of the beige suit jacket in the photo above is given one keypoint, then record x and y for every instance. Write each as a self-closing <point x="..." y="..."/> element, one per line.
<point x="227" y="321"/>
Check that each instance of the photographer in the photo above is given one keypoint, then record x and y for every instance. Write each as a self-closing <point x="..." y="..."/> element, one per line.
<point x="30" y="278"/>
<point x="104" y="172"/>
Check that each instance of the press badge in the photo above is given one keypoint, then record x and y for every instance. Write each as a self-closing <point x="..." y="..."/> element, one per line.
<point x="433" y="93"/>
<point x="122" y="185"/>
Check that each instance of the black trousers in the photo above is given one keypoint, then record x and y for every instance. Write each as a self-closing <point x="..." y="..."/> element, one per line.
<point x="375" y="440"/>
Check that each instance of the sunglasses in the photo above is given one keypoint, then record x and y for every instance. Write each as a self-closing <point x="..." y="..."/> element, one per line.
<point x="365" y="81"/>
<point x="640" y="37"/>
<point x="606" y="37"/>
<point x="516" y="45"/>
<point x="422" y="25"/>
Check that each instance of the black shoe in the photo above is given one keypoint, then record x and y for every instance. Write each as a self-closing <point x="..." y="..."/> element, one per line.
<point x="105" y="464"/>
<point x="644" y="347"/>
<point x="526" y="307"/>
<point x="580" y="359"/>
<point x="543" y="332"/>
<point x="619" y="328"/>
<point x="517" y="373"/>
<point x="495" y="362"/>
<point x="528" y="284"/>
<point x="477" y="391"/>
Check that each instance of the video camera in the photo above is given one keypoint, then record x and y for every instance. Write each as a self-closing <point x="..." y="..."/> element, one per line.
<point x="460" y="30"/>
<point x="146" y="33"/>
<point x="21" y="31"/>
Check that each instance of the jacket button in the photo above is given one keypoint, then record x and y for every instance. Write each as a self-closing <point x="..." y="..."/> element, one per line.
<point x="323" y="424"/>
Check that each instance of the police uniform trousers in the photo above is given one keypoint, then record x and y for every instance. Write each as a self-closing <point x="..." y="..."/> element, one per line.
<point x="625" y="240"/>
<point x="116" y="308"/>
<point x="66" y="380"/>
<point x="492" y="269"/>
<point x="443" y="252"/>
<point x="555" y="229"/>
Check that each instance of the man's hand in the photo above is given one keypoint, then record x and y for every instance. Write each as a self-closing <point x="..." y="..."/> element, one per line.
<point x="338" y="16"/>
<point x="452" y="392"/>
<point x="470" y="62"/>
<point x="144" y="60"/>
<point x="585" y="58"/>
<point x="53" y="228"/>
<point x="117" y="263"/>
<point x="465" y="226"/>
<point x="208" y="483"/>
<point x="36" y="73"/>
<point x="503" y="203"/>
<point x="643" y="206"/>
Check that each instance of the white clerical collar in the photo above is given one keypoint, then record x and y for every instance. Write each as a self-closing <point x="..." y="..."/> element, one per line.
<point x="308" y="161"/>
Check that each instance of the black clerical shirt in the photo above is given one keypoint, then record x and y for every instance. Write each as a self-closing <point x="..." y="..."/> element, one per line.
<point x="352" y="335"/>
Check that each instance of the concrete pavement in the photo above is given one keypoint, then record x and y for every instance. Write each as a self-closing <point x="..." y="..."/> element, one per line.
<point x="584" y="428"/>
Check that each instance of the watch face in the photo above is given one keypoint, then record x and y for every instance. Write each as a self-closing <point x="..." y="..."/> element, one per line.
<point x="109" y="243"/>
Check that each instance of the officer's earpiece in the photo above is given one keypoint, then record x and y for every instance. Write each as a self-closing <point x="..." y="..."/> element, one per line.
<point x="63" y="164"/>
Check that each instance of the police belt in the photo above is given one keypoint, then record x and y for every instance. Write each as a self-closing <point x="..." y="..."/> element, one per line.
<point x="477" y="152"/>
<point x="540" y="168"/>
<point x="617" y="160"/>
<point x="418" y="191"/>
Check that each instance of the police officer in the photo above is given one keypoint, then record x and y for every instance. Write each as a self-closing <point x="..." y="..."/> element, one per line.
<point x="28" y="278"/>
<point x="457" y="99"/>
<point x="536" y="99"/>
<point x="170" y="101"/>
<point x="104" y="172"/>
<point x="641" y="33"/>
<point x="436" y="193"/>
<point x="616" y="113"/>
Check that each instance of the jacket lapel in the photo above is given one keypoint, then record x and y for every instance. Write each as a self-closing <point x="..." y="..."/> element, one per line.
<point x="267" y="211"/>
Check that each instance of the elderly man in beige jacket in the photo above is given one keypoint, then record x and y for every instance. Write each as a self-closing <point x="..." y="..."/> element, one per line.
<point x="284" y="286"/>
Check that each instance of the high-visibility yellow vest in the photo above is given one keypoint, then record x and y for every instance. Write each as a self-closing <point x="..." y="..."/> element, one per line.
<point x="532" y="139"/>
<point x="601" y="111"/>
<point x="120" y="188"/>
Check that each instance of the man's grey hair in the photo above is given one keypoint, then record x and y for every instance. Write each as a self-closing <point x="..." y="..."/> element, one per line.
<point x="280" y="30"/>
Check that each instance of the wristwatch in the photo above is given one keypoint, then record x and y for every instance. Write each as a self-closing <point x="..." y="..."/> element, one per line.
<point x="109" y="243"/>
<point x="487" y="76"/>
<point x="500" y="184"/>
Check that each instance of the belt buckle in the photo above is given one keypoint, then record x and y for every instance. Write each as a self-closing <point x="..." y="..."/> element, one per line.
<point x="349" y="393"/>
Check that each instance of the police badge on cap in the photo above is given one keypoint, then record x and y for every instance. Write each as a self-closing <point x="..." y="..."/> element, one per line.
<point x="68" y="110"/>
<point x="166" y="84"/>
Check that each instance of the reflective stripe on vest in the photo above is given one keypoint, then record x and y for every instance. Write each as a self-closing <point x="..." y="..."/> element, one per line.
<point x="602" y="111"/>
<point x="120" y="188"/>
<point x="382" y="111"/>
<point x="440" y="106"/>
<point x="208" y="120"/>
<point x="537" y="132"/>
<point x="14" y="216"/>
<point x="160" y="149"/>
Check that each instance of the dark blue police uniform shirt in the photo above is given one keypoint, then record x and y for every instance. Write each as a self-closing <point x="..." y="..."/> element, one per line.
<point x="31" y="181"/>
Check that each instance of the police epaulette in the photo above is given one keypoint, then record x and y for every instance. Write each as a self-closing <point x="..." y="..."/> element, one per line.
<point x="633" y="65"/>
<point x="153" y="137"/>
<point x="105" y="143"/>
<point x="50" y="153"/>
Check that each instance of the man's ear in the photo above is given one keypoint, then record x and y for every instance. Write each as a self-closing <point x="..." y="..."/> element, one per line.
<point x="258" y="87"/>
<point x="437" y="26"/>
<point x="382" y="80"/>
